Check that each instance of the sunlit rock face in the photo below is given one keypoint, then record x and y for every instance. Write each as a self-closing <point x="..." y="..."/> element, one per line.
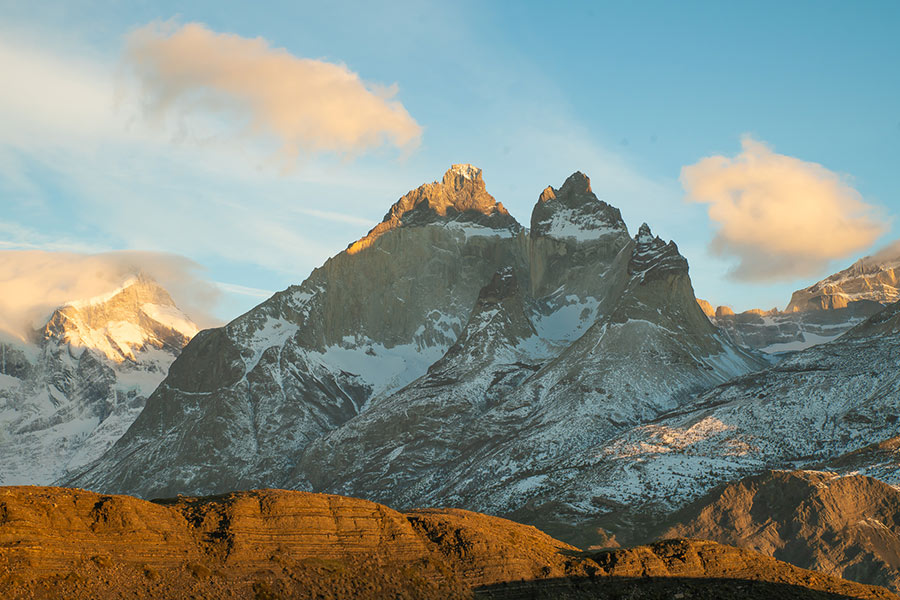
<point x="819" y="313"/>
<point x="872" y="279"/>
<point x="74" y="388"/>
<point x="449" y="346"/>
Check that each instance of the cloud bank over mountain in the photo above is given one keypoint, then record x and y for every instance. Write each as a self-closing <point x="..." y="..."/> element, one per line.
<point x="36" y="282"/>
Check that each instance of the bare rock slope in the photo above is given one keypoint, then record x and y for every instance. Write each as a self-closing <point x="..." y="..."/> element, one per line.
<point x="847" y="526"/>
<point x="274" y="544"/>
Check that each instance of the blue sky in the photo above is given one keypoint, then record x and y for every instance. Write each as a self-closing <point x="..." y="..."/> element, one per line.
<point x="629" y="93"/>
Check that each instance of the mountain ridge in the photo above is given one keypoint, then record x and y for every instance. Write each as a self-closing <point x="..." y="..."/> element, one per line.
<point x="57" y="542"/>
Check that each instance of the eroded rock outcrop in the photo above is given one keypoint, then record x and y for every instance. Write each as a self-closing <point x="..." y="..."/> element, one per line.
<point x="263" y="544"/>
<point x="847" y="526"/>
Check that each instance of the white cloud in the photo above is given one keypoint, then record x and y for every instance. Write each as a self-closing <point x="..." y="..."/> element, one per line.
<point x="128" y="184"/>
<point x="781" y="217"/>
<point x="36" y="282"/>
<point x="244" y="290"/>
<point x="309" y="105"/>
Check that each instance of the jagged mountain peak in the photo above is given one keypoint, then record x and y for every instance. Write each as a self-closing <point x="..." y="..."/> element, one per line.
<point x="460" y="196"/>
<point x="456" y="175"/>
<point x="653" y="256"/>
<point x="137" y="315"/>
<point x="576" y="183"/>
<point x="644" y="235"/>
<point x="573" y="211"/>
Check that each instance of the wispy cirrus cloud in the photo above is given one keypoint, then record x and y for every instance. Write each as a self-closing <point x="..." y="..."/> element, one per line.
<point x="309" y="105"/>
<point x="780" y="216"/>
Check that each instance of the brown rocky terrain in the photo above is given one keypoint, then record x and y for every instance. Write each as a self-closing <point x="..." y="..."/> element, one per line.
<point x="66" y="543"/>
<point x="681" y="568"/>
<point x="847" y="526"/>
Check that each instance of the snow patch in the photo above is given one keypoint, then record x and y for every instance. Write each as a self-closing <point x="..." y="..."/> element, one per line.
<point x="172" y="318"/>
<point x="569" y="321"/>
<point x="566" y="223"/>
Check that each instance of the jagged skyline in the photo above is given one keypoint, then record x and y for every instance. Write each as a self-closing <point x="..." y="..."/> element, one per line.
<point x="628" y="95"/>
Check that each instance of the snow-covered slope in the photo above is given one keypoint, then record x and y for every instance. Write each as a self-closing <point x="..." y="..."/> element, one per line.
<point x="506" y="433"/>
<point x="807" y="410"/>
<point x="67" y="395"/>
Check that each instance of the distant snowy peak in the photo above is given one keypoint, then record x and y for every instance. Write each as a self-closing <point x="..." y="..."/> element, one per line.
<point x="459" y="197"/>
<point x="869" y="279"/>
<point x="139" y="315"/>
<point x="573" y="211"/>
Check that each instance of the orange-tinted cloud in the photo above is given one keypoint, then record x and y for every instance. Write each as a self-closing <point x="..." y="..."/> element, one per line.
<point x="36" y="282"/>
<point x="780" y="216"/>
<point x="308" y="105"/>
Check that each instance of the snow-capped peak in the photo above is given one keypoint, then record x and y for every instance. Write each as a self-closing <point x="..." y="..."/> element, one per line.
<point x="120" y="324"/>
<point x="644" y="235"/>
<point x="573" y="212"/>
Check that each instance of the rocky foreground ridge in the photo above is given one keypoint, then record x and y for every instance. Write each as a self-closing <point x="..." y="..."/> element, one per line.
<point x="57" y="542"/>
<point x="847" y="526"/>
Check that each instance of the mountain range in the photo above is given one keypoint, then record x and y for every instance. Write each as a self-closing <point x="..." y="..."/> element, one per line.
<point x="819" y="313"/>
<point x="561" y="374"/>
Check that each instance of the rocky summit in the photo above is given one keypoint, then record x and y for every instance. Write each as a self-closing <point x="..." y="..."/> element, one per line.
<point x="450" y="356"/>
<point x="63" y="543"/>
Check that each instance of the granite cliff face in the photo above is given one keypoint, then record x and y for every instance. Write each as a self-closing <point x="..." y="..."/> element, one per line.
<point x="57" y="542"/>
<point x="448" y="329"/>
<point x="71" y="391"/>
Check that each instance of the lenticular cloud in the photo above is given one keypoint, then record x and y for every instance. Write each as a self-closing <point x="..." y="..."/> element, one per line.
<point x="781" y="217"/>
<point x="35" y="282"/>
